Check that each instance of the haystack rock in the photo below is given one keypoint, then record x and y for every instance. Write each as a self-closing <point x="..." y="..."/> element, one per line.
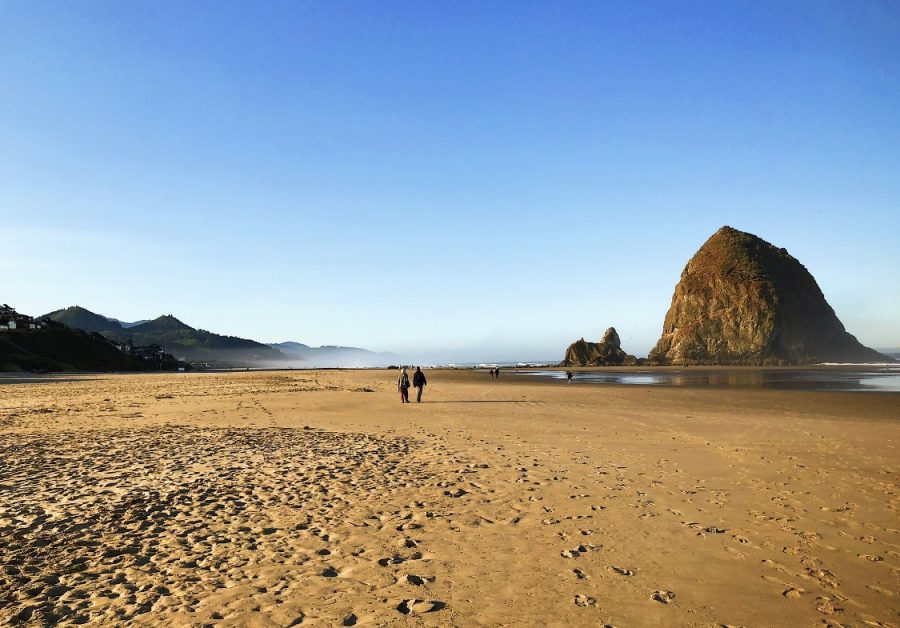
<point x="741" y="300"/>
<point x="607" y="352"/>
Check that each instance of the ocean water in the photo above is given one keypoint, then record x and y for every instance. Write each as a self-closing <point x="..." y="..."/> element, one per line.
<point x="862" y="378"/>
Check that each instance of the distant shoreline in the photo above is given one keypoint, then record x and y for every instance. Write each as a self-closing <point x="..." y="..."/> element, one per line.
<point x="531" y="366"/>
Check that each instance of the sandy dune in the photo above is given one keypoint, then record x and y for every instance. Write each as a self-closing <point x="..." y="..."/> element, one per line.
<point x="276" y="499"/>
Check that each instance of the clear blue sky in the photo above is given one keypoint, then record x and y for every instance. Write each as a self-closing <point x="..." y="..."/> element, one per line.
<point x="481" y="180"/>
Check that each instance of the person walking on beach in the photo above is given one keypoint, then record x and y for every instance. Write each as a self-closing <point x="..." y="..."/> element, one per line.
<point x="569" y="376"/>
<point x="419" y="382"/>
<point x="403" y="386"/>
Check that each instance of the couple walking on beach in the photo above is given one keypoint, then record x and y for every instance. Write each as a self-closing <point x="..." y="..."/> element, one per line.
<point x="403" y="384"/>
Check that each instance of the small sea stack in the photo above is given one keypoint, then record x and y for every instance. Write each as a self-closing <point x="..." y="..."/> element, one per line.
<point x="607" y="352"/>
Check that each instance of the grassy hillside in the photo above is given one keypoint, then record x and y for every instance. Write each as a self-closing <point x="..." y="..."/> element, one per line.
<point x="196" y="344"/>
<point x="179" y="339"/>
<point x="77" y="317"/>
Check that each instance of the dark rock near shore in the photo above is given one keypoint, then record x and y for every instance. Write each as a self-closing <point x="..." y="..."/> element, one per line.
<point x="607" y="352"/>
<point x="742" y="300"/>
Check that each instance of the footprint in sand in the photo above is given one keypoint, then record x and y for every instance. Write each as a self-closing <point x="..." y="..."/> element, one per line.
<point x="396" y="559"/>
<point x="881" y="590"/>
<point x="585" y="600"/>
<point x="580" y="574"/>
<point x="622" y="570"/>
<point x="665" y="597"/>
<point x="419" y="581"/>
<point x="825" y="577"/>
<point x="420" y="606"/>
<point x="577" y="551"/>
<point x="825" y="606"/>
<point x="870" y="557"/>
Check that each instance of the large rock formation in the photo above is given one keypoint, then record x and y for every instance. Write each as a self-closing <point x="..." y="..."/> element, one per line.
<point x="741" y="300"/>
<point x="607" y="352"/>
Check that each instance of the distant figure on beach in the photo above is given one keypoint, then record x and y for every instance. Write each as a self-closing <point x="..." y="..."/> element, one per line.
<point x="569" y="376"/>
<point x="492" y="373"/>
<point x="497" y="373"/>
<point x="403" y="386"/>
<point x="419" y="382"/>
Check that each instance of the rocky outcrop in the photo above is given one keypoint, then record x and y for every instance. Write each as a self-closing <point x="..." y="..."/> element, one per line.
<point x="607" y="352"/>
<point x="742" y="300"/>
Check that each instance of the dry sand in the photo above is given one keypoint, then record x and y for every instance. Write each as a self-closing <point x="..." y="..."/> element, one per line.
<point x="275" y="499"/>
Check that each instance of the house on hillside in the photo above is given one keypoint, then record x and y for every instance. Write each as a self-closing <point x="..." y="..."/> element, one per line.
<point x="10" y="320"/>
<point x="123" y="347"/>
<point x="150" y="352"/>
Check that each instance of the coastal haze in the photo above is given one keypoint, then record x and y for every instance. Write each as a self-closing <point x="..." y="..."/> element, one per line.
<point x="645" y="255"/>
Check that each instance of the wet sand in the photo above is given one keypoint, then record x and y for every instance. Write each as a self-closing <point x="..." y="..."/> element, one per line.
<point x="301" y="498"/>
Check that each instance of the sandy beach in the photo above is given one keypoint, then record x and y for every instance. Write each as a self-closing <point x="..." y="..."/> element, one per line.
<point x="316" y="498"/>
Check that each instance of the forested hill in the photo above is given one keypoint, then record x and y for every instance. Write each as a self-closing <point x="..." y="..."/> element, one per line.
<point x="176" y="337"/>
<point x="55" y="347"/>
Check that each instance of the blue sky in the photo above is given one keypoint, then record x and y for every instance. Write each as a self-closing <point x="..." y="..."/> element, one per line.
<point x="454" y="180"/>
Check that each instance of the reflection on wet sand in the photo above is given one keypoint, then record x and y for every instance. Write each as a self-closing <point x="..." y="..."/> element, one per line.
<point x="872" y="379"/>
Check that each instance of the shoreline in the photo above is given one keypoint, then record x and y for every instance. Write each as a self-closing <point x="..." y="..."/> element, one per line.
<point x="535" y="375"/>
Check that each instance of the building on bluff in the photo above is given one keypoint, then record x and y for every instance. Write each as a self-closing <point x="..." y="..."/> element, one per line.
<point x="607" y="352"/>
<point x="742" y="300"/>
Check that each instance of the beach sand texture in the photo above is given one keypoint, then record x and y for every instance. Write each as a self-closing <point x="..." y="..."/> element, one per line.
<point x="316" y="498"/>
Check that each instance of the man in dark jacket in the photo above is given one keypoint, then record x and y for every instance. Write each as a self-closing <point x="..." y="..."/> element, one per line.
<point x="419" y="383"/>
